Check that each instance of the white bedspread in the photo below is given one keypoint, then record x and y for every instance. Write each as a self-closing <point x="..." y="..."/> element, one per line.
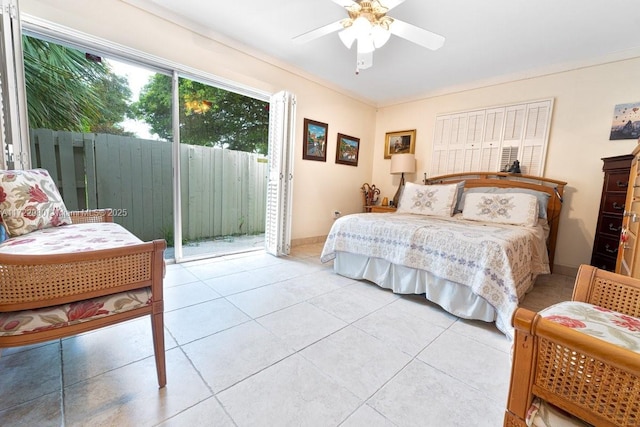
<point x="498" y="262"/>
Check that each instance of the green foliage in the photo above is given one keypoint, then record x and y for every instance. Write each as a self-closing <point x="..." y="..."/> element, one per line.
<point x="66" y="91"/>
<point x="208" y="115"/>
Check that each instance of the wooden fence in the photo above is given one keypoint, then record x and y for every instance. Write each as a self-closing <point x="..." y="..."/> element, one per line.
<point x="223" y="191"/>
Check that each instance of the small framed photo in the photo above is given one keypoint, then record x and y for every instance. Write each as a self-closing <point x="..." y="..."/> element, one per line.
<point x="403" y="141"/>
<point x="347" y="150"/>
<point x="315" y="140"/>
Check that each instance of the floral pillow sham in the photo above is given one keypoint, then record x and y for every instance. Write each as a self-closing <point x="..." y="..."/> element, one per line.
<point x="514" y="208"/>
<point x="433" y="200"/>
<point x="29" y="200"/>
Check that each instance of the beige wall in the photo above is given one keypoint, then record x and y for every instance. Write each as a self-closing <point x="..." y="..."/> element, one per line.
<point x="579" y="138"/>
<point x="319" y="187"/>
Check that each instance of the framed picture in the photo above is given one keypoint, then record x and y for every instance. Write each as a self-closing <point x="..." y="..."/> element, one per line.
<point x="347" y="150"/>
<point x="315" y="140"/>
<point x="403" y="141"/>
<point x="626" y="121"/>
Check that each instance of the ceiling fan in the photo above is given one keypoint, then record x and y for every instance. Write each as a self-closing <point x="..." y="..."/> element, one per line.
<point x="369" y="26"/>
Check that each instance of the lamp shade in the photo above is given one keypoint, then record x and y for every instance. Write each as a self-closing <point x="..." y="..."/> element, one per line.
<point x="403" y="163"/>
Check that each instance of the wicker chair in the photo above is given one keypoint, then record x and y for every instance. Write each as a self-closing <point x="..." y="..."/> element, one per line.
<point x="588" y="377"/>
<point x="31" y="286"/>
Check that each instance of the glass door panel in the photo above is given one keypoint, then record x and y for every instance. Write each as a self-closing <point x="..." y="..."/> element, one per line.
<point x="223" y="170"/>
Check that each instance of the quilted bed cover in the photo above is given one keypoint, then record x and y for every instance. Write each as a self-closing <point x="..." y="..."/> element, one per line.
<point x="498" y="262"/>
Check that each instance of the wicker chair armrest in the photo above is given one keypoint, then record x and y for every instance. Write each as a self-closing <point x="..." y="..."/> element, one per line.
<point x="609" y="290"/>
<point x="94" y="215"/>
<point x="572" y="370"/>
<point x="33" y="281"/>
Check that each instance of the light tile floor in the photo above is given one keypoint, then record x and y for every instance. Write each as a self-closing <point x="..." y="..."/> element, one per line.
<point x="254" y="340"/>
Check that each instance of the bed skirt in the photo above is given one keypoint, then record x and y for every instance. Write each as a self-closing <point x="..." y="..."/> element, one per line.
<point x="455" y="298"/>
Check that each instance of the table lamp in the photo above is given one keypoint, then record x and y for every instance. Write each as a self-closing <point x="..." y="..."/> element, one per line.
<point x="401" y="163"/>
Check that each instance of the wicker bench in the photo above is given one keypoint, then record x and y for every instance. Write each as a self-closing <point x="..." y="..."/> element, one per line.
<point x="567" y="362"/>
<point x="50" y="291"/>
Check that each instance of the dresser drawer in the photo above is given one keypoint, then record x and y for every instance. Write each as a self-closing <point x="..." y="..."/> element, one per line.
<point x="604" y="263"/>
<point x="607" y="246"/>
<point x="613" y="203"/>
<point x="618" y="181"/>
<point x="611" y="225"/>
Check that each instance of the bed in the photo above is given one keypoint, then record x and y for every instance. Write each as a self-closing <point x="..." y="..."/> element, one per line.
<point x="473" y="266"/>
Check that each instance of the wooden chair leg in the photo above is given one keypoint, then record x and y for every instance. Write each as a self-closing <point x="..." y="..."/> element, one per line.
<point x="157" y="326"/>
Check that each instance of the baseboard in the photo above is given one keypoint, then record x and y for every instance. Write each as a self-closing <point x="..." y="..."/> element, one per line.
<point x="308" y="241"/>
<point x="565" y="270"/>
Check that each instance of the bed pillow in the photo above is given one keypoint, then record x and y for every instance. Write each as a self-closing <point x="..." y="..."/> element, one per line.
<point x="543" y="198"/>
<point x="511" y="208"/>
<point x="433" y="200"/>
<point x="29" y="200"/>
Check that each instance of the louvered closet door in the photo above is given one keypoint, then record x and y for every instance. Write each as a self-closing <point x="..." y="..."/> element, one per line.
<point x="455" y="155"/>
<point x="490" y="147"/>
<point x="441" y="134"/>
<point x="535" y="135"/>
<point x="473" y="142"/>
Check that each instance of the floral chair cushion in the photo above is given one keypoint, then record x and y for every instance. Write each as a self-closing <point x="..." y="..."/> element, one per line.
<point x="29" y="200"/>
<point x="71" y="238"/>
<point x="607" y="325"/>
<point x="28" y="321"/>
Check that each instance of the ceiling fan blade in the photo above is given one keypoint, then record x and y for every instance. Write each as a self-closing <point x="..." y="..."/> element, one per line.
<point x="416" y="35"/>
<point x="318" y="32"/>
<point x="390" y="4"/>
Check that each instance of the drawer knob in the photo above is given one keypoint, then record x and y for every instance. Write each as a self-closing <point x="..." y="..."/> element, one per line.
<point x="617" y="206"/>
<point x="612" y="228"/>
<point x="622" y="184"/>
<point x="611" y="251"/>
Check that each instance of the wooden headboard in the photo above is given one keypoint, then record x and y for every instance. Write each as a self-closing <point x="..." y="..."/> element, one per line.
<point x="554" y="187"/>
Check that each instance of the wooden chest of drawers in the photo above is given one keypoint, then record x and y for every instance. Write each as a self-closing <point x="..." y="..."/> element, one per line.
<point x="614" y="194"/>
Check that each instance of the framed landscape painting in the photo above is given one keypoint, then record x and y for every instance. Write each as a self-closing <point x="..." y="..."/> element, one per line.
<point x="399" y="142"/>
<point x="347" y="150"/>
<point x="315" y="140"/>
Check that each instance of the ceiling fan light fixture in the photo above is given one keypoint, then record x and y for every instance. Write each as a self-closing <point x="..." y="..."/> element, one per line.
<point x="365" y="44"/>
<point x="380" y="36"/>
<point x="348" y="36"/>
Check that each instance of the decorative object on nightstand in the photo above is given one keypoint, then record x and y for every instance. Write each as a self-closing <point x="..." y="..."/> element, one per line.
<point x="370" y="196"/>
<point x="401" y="164"/>
<point x="381" y="209"/>
<point x="614" y="192"/>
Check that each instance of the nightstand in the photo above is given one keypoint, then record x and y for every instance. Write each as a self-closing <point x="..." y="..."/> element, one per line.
<point x="379" y="209"/>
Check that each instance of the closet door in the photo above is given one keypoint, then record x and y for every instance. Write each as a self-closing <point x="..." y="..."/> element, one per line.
<point x="473" y="141"/>
<point x="490" y="146"/>
<point x="536" y="131"/>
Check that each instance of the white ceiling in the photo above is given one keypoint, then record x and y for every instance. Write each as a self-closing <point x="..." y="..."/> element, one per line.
<point x="487" y="41"/>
